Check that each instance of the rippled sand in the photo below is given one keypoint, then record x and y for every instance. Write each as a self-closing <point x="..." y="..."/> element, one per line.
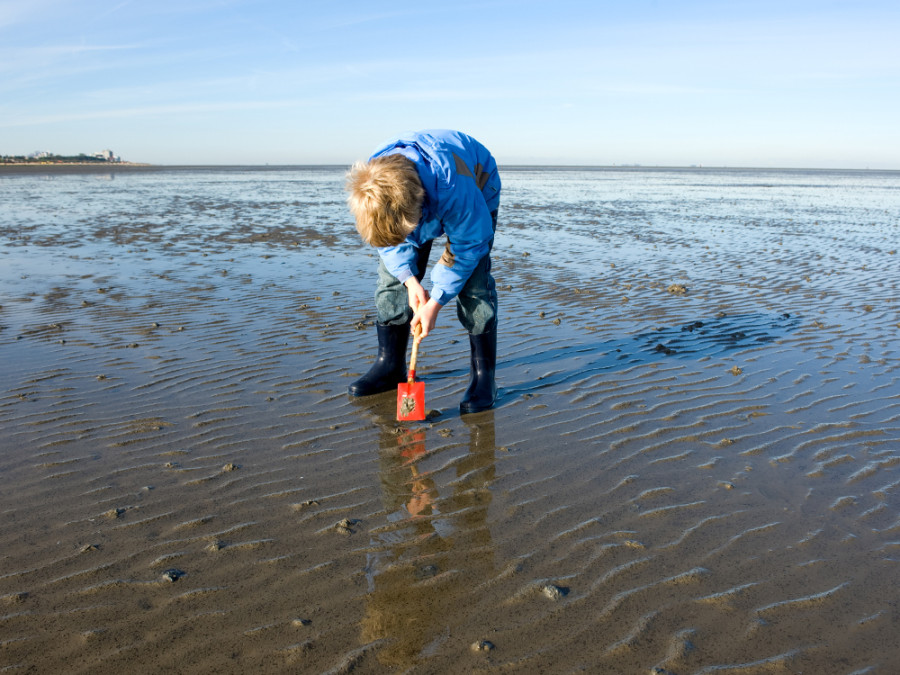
<point x="694" y="466"/>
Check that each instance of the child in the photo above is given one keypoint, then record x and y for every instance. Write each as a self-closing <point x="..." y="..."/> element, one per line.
<point x="411" y="191"/>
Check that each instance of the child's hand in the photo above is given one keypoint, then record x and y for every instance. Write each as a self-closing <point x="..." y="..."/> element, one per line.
<point x="427" y="317"/>
<point x="418" y="296"/>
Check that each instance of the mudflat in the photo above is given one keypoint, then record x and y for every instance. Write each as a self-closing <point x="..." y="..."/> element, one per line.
<point x="693" y="466"/>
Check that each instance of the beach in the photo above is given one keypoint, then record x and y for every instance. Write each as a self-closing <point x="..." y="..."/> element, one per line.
<point x="693" y="465"/>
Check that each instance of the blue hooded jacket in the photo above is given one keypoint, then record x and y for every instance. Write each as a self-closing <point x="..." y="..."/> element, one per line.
<point x="462" y="188"/>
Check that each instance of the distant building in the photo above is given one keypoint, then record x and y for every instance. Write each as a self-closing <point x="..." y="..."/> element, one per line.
<point x="44" y="157"/>
<point x="107" y="156"/>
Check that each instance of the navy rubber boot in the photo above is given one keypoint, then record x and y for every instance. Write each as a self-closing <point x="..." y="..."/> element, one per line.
<point x="389" y="368"/>
<point x="481" y="393"/>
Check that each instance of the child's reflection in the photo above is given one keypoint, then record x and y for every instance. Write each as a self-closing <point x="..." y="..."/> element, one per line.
<point x="423" y="490"/>
<point x="435" y="550"/>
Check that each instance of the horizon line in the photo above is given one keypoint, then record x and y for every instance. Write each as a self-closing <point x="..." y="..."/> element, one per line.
<point x="513" y="166"/>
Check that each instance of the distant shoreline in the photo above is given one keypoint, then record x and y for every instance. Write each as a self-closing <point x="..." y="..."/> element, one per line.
<point x="71" y="167"/>
<point x="126" y="167"/>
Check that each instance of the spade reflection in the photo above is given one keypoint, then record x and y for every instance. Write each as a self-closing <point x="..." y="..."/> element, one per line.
<point x="425" y="566"/>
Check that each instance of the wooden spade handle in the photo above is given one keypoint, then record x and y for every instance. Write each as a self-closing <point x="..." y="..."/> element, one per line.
<point x="417" y="337"/>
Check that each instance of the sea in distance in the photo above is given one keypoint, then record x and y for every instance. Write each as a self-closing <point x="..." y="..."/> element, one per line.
<point x="693" y="465"/>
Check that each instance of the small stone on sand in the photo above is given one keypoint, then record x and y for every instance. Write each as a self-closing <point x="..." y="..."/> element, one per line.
<point x="345" y="526"/>
<point x="427" y="572"/>
<point x="554" y="592"/>
<point x="172" y="575"/>
<point x="15" y="598"/>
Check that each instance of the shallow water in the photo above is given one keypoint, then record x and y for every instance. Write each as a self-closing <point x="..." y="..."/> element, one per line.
<point x="700" y="481"/>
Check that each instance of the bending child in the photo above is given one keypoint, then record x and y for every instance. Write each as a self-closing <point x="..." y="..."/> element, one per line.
<point x="411" y="191"/>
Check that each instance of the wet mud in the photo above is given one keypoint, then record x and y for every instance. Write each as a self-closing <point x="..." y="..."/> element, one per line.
<point x="693" y="466"/>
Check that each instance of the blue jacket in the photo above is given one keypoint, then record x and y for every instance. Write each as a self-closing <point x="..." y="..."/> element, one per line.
<point x="462" y="188"/>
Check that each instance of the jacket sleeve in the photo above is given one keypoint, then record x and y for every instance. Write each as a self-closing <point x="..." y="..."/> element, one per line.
<point x="399" y="260"/>
<point x="469" y="228"/>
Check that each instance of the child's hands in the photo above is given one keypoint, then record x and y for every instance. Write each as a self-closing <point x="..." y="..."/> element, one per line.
<point x="427" y="317"/>
<point x="418" y="296"/>
<point x="426" y="309"/>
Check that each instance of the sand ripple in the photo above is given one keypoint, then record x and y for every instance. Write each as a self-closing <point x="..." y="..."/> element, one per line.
<point x="703" y="480"/>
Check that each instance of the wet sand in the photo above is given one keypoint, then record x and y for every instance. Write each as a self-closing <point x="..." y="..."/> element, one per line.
<point x="694" y="465"/>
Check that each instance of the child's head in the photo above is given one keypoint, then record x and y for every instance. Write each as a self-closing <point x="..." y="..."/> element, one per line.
<point x="386" y="199"/>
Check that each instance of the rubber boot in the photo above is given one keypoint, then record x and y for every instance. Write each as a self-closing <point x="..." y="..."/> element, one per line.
<point x="481" y="393"/>
<point x="389" y="368"/>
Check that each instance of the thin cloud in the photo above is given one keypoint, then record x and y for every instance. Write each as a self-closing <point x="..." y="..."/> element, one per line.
<point x="58" y="51"/>
<point x="52" y="62"/>
<point x="112" y="10"/>
<point x="148" y="111"/>
<point x="17" y="12"/>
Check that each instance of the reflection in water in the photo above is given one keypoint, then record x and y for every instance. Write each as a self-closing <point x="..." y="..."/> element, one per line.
<point x="422" y="566"/>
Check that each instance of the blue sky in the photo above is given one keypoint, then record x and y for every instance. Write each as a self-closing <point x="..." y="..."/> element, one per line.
<point x="730" y="83"/>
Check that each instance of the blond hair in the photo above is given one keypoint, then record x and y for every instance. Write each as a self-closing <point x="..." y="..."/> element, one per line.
<point x="386" y="198"/>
